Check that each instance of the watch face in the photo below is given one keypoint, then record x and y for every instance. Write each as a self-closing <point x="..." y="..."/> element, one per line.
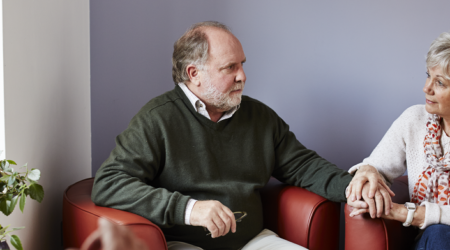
<point x="410" y="205"/>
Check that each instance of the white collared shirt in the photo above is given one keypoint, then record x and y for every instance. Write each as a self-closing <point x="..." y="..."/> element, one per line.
<point x="200" y="107"/>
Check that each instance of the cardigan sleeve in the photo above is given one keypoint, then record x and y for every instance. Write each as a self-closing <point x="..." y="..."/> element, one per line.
<point x="123" y="181"/>
<point x="389" y="156"/>
<point x="436" y="214"/>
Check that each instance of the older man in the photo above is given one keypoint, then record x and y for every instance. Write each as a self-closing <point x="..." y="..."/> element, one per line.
<point x="195" y="154"/>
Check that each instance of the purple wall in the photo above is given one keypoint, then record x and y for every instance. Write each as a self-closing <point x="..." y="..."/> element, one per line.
<point x="338" y="73"/>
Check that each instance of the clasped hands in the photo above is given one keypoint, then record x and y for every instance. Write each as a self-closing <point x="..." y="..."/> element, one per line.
<point x="367" y="192"/>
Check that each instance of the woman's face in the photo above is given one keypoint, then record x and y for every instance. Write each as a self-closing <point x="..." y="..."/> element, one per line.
<point x="437" y="93"/>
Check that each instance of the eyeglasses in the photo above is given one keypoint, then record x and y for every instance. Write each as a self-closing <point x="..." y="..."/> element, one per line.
<point x="238" y="216"/>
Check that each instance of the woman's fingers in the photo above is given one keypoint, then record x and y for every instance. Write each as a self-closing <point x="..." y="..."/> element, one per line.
<point x="359" y="211"/>
<point x="391" y="193"/>
<point x="386" y="199"/>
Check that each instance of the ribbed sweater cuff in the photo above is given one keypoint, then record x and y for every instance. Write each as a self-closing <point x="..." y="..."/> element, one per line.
<point x="343" y="185"/>
<point x="432" y="214"/>
<point x="180" y="210"/>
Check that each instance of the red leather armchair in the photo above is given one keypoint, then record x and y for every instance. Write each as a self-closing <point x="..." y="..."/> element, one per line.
<point x="294" y="213"/>
<point x="363" y="232"/>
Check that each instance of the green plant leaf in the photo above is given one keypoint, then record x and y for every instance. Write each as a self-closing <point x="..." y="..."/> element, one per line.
<point x="4" y="178"/>
<point x="36" y="192"/>
<point x="11" y="162"/>
<point x="11" y="180"/>
<point x="23" y="198"/>
<point x="13" y="229"/>
<point x="15" y="241"/>
<point x="34" y="174"/>
<point x="3" y="230"/>
<point x="4" y="206"/>
<point x="13" y="203"/>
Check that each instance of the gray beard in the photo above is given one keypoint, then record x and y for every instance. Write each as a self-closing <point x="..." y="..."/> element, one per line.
<point x="221" y="101"/>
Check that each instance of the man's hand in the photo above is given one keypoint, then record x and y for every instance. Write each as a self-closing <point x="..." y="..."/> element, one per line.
<point x="366" y="174"/>
<point x="217" y="218"/>
<point x="112" y="237"/>
<point x="375" y="206"/>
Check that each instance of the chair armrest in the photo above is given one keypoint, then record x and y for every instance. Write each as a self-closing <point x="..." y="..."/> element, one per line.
<point x="80" y="217"/>
<point x="301" y="216"/>
<point x="379" y="234"/>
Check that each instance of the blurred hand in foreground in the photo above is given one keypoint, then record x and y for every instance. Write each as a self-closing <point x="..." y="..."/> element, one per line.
<point x="110" y="236"/>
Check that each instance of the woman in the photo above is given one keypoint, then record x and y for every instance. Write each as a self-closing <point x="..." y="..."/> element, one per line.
<point x="418" y="141"/>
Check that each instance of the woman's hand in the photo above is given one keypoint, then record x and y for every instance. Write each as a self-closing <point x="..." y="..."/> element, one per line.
<point x="398" y="213"/>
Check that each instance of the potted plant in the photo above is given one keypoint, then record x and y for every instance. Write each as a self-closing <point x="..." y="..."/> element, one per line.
<point x="14" y="188"/>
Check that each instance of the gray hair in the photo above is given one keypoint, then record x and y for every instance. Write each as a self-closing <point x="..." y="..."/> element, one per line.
<point x="439" y="54"/>
<point x="192" y="48"/>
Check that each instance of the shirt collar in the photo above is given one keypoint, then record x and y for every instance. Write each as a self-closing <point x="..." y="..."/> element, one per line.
<point x="200" y="106"/>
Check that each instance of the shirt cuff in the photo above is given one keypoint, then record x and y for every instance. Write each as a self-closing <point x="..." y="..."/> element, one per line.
<point x="189" y="207"/>
<point x="432" y="214"/>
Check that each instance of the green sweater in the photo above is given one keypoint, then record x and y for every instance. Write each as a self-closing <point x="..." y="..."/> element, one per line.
<point x="169" y="153"/>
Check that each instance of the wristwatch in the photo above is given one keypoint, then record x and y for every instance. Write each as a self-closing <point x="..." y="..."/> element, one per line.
<point x="411" y="209"/>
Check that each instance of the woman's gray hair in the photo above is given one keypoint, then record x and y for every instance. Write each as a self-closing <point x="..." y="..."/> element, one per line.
<point x="439" y="54"/>
<point x="192" y="48"/>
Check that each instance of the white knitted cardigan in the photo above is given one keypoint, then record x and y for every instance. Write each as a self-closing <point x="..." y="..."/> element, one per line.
<point x="402" y="149"/>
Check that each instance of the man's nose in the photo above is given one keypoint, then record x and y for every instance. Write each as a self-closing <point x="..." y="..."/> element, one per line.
<point x="240" y="77"/>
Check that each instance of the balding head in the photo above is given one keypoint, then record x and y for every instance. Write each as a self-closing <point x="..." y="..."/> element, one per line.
<point x="192" y="48"/>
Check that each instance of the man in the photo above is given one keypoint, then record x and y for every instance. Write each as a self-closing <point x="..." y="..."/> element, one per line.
<point x="195" y="154"/>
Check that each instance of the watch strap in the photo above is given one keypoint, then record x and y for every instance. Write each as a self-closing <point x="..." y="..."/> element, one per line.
<point x="411" y="209"/>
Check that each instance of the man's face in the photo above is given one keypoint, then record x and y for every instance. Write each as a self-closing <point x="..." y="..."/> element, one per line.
<point x="224" y="79"/>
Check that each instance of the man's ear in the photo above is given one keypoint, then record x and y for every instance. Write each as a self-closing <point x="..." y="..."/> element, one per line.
<point x="194" y="74"/>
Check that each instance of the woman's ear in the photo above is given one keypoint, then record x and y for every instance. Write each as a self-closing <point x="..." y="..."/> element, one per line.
<point x="194" y="74"/>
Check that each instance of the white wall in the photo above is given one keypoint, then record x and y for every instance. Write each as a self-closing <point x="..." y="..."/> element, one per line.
<point x="47" y="106"/>
<point x="2" y="96"/>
